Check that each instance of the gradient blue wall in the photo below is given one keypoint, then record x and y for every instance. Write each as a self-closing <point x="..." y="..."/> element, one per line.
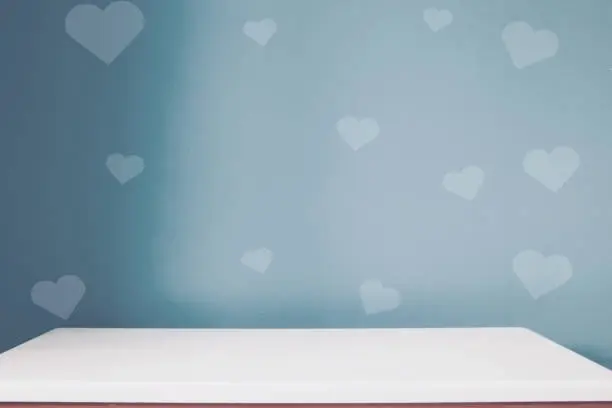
<point x="211" y="175"/>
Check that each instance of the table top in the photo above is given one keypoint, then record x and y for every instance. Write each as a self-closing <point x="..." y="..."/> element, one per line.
<point x="298" y="366"/>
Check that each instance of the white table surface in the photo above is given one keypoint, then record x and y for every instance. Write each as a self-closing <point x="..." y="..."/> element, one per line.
<point x="298" y="366"/>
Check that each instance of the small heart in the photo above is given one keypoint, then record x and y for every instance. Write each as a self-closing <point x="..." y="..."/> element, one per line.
<point x="260" y="31"/>
<point x="124" y="168"/>
<point x="377" y="299"/>
<point x="526" y="46"/>
<point x="437" y="19"/>
<point x="465" y="183"/>
<point x="105" y="33"/>
<point x="541" y="275"/>
<point x="59" y="298"/>
<point x="259" y="259"/>
<point x="552" y="170"/>
<point x="357" y="133"/>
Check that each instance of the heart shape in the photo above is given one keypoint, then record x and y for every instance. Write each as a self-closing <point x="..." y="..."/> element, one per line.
<point x="527" y="46"/>
<point x="539" y="274"/>
<point x="105" y="33"/>
<point x="437" y="19"/>
<point x="259" y="259"/>
<point x="465" y="183"/>
<point x="124" y="168"/>
<point x="377" y="299"/>
<point x="552" y="169"/>
<point x="357" y="133"/>
<point x="61" y="298"/>
<point x="260" y="31"/>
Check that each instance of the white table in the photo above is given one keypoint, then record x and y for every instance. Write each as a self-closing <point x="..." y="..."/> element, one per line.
<point x="354" y="366"/>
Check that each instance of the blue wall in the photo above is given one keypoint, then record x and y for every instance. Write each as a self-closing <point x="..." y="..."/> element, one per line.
<point x="322" y="163"/>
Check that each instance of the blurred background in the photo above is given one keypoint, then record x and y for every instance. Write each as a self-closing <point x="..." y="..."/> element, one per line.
<point x="292" y="163"/>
